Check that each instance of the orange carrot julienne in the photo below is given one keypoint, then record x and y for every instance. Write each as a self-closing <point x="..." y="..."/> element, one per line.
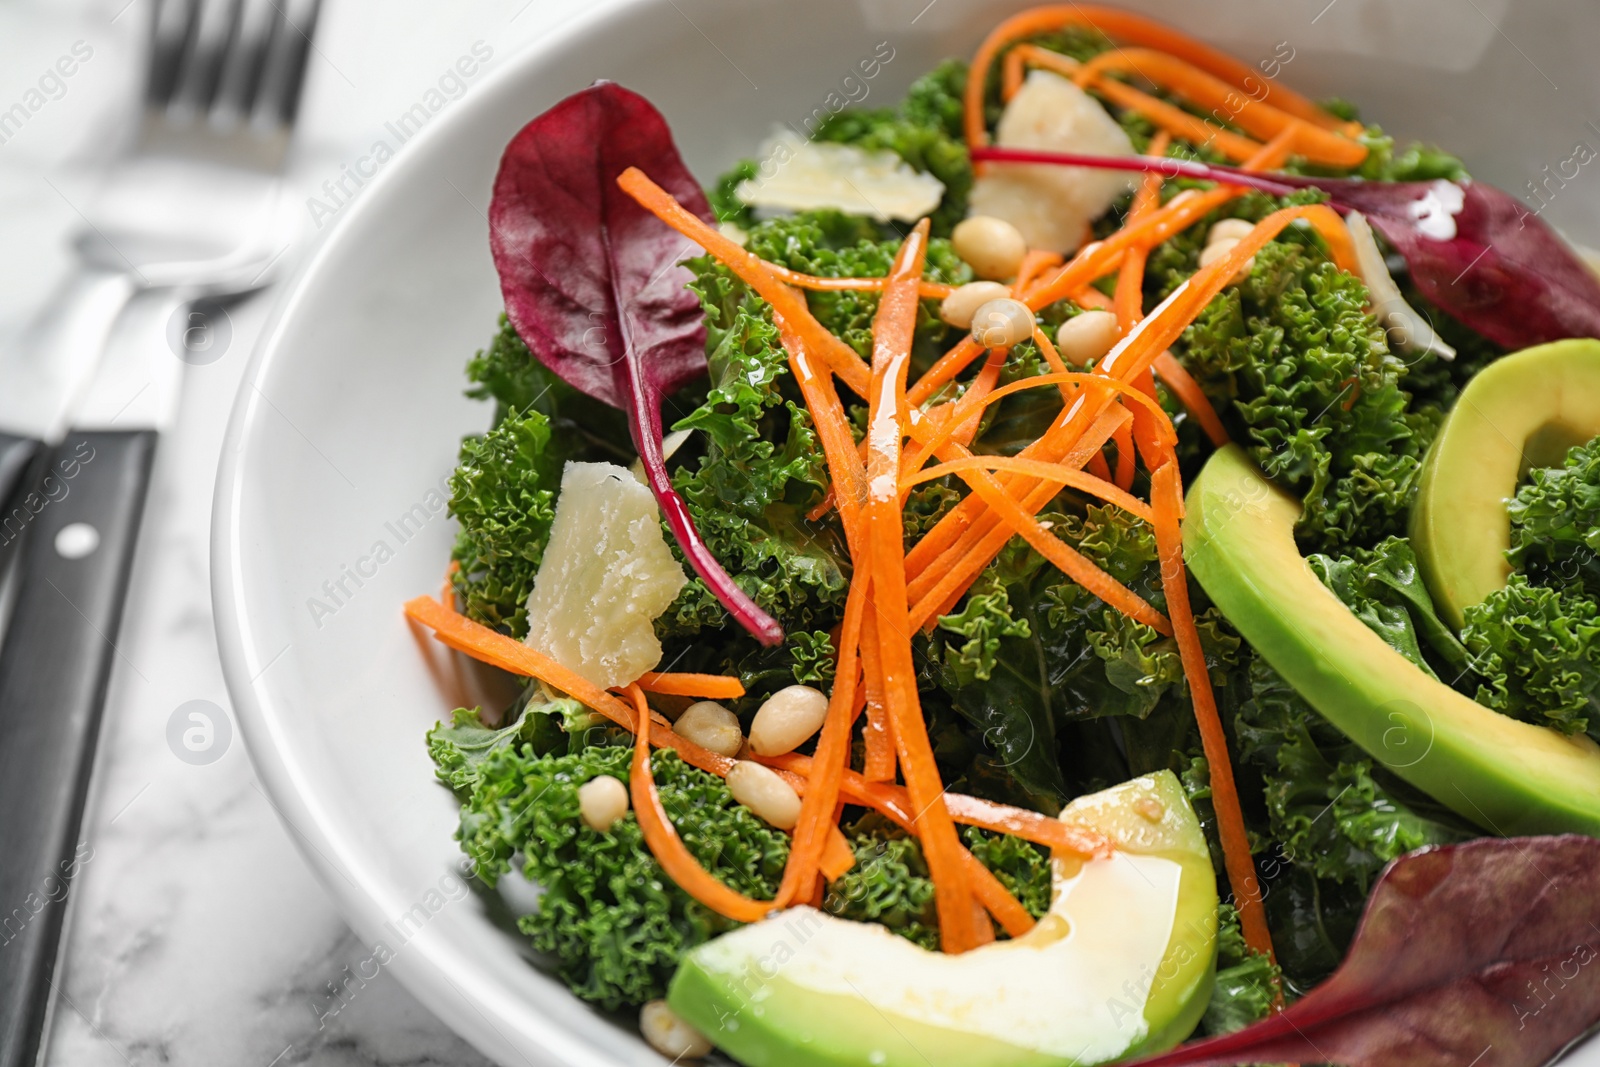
<point x="817" y="283"/>
<point x="668" y="848"/>
<point x="955" y="534"/>
<point x="995" y="898"/>
<point x="967" y="810"/>
<point x="512" y="655"/>
<point x="808" y="853"/>
<point x="1255" y="116"/>
<point x="1130" y="29"/>
<point x="705" y="686"/>
<point x="893" y="329"/>
<point x="1125" y="467"/>
<point x="1167" y="502"/>
<point x="1176" y="377"/>
<point x="755" y="272"/>
<point x="837" y="856"/>
<point x="878" y="735"/>
<point x="1049" y="472"/>
<point x="1034" y="263"/>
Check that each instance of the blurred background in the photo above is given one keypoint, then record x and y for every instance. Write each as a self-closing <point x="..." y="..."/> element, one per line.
<point x="197" y="935"/>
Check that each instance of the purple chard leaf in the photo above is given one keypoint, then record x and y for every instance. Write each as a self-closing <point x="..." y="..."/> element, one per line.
<point x="1472" y="249"/>
<point x="594" y="283"/>
<point x="1482" y="954"/>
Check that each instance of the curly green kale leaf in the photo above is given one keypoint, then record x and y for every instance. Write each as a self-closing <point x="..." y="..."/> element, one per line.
<point x="503" y="494"/>
<point x="1245" y="987"/>
<point x="616" y="924"/>
<point x="1384" y="588"/>
<point x="814" y="657"/>
<point x="761" y="467"/>
<point x="1307" y="372"/>
<point x="1538" y="650"/>
<point x="1555" y="521"/>
<point x="983" y="620"/>
<point x="890" y="885"/>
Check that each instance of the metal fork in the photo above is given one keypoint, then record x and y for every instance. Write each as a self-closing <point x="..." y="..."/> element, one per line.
<point x="195" y="210"/>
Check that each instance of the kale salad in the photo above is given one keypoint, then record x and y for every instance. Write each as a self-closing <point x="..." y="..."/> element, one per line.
<point x="1015" y="576"/>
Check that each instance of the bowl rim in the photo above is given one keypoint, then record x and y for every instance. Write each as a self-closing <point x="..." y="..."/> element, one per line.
<point x="440" y="978"/>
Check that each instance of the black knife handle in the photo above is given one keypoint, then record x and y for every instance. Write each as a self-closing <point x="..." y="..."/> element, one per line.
<point x="18" y="459"/>
<point x="54" y="666"/>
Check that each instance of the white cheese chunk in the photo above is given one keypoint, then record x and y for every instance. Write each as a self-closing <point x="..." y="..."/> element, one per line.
<point x="800" y="175"/>
<point x="607" y="573"/>
<point x="1052" y="205"/>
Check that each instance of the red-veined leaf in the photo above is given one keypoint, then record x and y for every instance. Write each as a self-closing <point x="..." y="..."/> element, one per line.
<point x="593" y="282"/>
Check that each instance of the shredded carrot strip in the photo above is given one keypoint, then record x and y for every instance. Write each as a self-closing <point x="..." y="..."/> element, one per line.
<point x="1255" y="116"/>
<point x="509" y="654"/>
<point x="878" y="734"/>
<point x="816" y="283"/>
<point x="933" y="440"/>
<point x="965" y="429"/>
<point x="953" y="536"/>
<point x="1126" y="362"/>
<point x="818" y="816"/>
<point x="1177" y="378"/>
<point x="668" y="848"/>
<point x="837" y="856"/>
<point x="995" y="898"/>
<point x="1167" y="502"/>
<point x="706" y="686"/>
<point x="1123" y="439"/>
<point x="967" y="810"/>
<point x="1035" y="263"/>
<point x="755" y="272"/>
<point x="1131" y="29"/>
<point x="1170" y="119"/>
<point x="1129" y="298"/>
<point x="1049" y="472"/>
<point x="893" y="330"/>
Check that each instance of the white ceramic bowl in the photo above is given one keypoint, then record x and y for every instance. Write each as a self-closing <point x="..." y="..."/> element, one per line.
<point x="331" y="489"/>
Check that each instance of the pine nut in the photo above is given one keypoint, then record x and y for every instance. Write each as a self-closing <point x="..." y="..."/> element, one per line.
<point x="669" y="1035"/>
<point x="761" y="790"/>
<point x="1002" y="323"/>
<point x="958" y="307"/>
<point x="1217" y="249"/>
<point x="1086" y="337"/>
<point x="712" y="726"/>
<point x="992" y="247"/>
<point x="1229" y="230"/>
<point x="602" y="800"/>
<point x="786" y="719"/>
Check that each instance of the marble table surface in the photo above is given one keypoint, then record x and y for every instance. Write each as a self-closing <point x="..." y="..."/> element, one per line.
<point x="197" y="935"/>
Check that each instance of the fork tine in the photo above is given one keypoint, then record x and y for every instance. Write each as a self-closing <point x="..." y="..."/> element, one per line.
<point x="202" y="61"/>
<point x="289" y="49"/>
<point x="243" y="64"/>
<point x="173" y="26"/>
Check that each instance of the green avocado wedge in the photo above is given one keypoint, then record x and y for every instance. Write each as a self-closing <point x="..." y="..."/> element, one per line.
<point x="1507" y="776"/>
<point x="1123" y="963"/>
<point x="1522" y="411"/>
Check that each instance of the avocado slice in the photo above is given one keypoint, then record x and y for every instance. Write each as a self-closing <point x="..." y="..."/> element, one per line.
<point x="1123" y="963"/>
<point x="1507" y="776"/>
<point x="1522" y="411"/>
